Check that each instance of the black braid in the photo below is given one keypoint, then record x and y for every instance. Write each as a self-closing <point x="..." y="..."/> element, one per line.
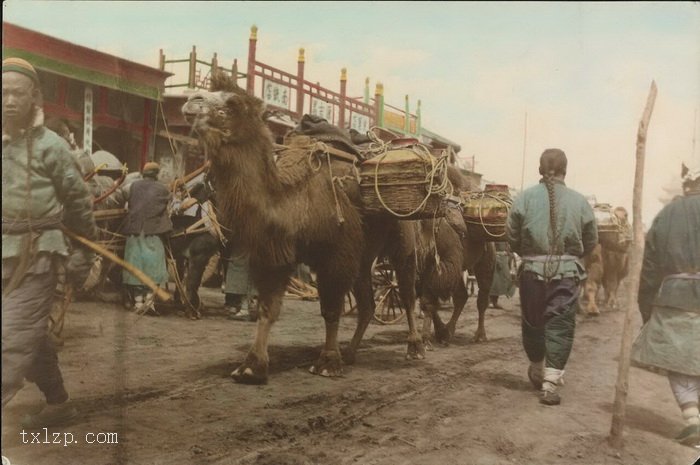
<point x="553" y="232"/>
<point x="554" y="248"/>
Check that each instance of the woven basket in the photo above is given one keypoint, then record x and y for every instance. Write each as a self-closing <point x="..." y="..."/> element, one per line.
<point x="486" y="212"/>
<point x="398" y="182"/>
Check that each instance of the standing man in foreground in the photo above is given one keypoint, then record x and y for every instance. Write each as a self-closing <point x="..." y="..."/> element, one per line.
<point x="669" y="301"/>
<point x="551" y="227"/>
<point x="42" y="190"/>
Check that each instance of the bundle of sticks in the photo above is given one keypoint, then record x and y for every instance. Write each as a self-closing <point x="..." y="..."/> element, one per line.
<point x="298" y="289"/>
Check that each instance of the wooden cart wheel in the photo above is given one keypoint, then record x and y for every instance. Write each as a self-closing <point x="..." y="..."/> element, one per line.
<point x="388" y="309"/>
<point x="349" y="304"/>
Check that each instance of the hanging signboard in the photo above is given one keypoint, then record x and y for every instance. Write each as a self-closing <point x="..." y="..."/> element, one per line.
<point x="276" y="94"/>
<point x="322" y="108"/>
<point x="359" y="123"/>
<point x="87" y="121"/>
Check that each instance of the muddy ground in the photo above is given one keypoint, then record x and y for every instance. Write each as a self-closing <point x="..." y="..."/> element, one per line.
<point x="162" y="384"/>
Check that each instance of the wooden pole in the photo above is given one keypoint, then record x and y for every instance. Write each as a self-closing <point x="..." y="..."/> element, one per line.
<point x="522" y="172"/>
<point x="140" y="275"/>
<point x="621" y="387"/>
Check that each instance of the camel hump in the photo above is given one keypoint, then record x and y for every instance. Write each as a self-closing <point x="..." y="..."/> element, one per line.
<point x="321" y="130"/>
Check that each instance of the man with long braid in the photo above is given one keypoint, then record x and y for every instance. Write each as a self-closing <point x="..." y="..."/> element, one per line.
<point x="42" y="191"/>
<point x="551" y="227"/>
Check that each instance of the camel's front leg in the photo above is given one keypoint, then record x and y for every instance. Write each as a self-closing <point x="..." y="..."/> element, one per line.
<point x="406" y="277"/>
<point x="459" y="300"/>
<point x="330" y="363"/>
<point x="254" y="368"/>
<point x="482" y="302"/>
<point x="483" y="270"/>
<point x="365" y="307"/>
<point x="427" y="324"/>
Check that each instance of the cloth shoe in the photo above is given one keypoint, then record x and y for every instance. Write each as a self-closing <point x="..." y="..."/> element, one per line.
<point x="689" y="436"/>
<point x="50" y="415"/>
<point x="232" y="311"/>
<point x="549" y="394"/>
<point x="242" y="315"/>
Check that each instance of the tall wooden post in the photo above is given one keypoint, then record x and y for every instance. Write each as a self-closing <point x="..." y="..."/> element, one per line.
<point x="252" y="44"/>
<point x="234" y="70"/>
<point x="379" y="104"/>
<point x="300" y="84"/>
<point x="419" y="126"/>
<point x="366" y="95"/>
<point x="343" y="96"/>
<point x="193" y="68"/>
<point x="161" y="60"/>
<point x="214" y="64"/>
<point x="621" y="387"/>
<point x="407" y="117"/>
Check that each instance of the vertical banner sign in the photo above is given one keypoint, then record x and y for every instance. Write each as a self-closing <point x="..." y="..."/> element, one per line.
<point x="359" y="123"/>
<point x="276" y="94"/>
<point x="322" y="108"/>
<point x="87" y="121"/>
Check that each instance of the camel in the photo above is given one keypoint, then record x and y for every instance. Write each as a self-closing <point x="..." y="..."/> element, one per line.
<point x="606" y="266"/>
<point x="303" y="208"/>
<point x="442" y="278"/>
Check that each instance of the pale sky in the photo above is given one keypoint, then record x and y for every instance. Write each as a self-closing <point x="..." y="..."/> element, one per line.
<point x="581" y="71"/>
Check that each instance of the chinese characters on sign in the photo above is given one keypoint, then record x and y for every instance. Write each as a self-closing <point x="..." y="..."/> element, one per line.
<point x="87" y="121"/>
<point x="322" y="109"/>
<point x="276" y="94"/>
<point x="359" y="123"/>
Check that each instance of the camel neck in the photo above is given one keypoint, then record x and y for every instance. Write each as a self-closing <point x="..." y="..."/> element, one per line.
<point x="246" y="181"/>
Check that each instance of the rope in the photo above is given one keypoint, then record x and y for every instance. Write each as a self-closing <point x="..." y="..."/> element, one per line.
<point x="480" y="196"/>
<point x="165" y="125"/>
<point x="338" y="209"/>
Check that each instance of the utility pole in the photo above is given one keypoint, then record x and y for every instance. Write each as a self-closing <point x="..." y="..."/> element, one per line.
<point x="522" y="174"/>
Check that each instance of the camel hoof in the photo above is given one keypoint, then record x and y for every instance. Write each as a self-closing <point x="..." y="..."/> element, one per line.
<point x="349" y="357"/>
<point x="428" y="345"/>
<point x="329" y="365"/>
<point x="480" y="336"/>
<point x="443" y="336"/>
<point x="593" y="314"/>
<point x="415" y="350"/>
<point x="250" y="372"/>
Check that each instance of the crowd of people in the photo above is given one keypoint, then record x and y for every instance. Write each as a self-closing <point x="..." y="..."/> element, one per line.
<point x="550" y="227"/>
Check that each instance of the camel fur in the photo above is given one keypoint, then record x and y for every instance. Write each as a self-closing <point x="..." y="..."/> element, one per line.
<point x="446" y="252"/>
<point x="304" y="208"/>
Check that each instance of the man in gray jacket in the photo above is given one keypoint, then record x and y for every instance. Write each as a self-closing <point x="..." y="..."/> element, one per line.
<point x="42" y="191"/>
<point x="147" y="220"/>
<point x="551" y="227"/>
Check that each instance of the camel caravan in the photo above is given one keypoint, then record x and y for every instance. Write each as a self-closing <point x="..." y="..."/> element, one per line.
<point x="336" y="204"/>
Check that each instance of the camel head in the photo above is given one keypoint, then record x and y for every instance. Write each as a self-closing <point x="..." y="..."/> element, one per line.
<point x="225" y="115"/>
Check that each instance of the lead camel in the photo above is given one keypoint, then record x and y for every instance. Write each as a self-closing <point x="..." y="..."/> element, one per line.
<point x="302" y="208"/>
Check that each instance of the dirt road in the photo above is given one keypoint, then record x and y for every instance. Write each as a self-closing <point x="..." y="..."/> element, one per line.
<point x="162" y="385"/>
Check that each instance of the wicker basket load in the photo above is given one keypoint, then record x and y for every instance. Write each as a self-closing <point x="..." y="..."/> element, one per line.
<point x="612" y="232"/>
<point x="486" y="212"/>
<point x="409" y="183"/>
